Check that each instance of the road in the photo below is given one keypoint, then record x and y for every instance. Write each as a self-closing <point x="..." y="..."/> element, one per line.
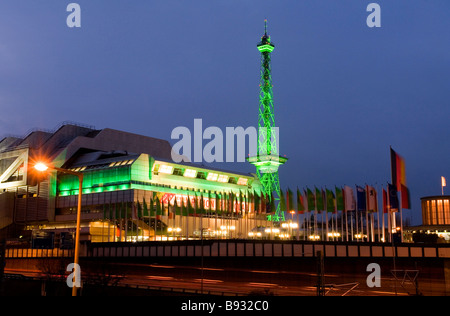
<point x="246" y="281"/>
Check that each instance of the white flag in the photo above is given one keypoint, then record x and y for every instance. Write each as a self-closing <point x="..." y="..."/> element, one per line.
<point x="371" y="198"/>
<point x="444" y="183"/>
<point x="350" y="202"/>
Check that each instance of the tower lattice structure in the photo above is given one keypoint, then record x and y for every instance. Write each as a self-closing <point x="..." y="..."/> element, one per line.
<point x="268" y="160"/>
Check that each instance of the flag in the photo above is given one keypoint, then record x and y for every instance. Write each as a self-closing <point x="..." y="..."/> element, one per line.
<point x="184" y="208"/>
<point x="176" y="208"/>
<point x="361" y="197"/>
<point x="256" y="203"/>
<point x="300" y="203"/>
<point x="311" y="200"/>
<point x="289" y="201"/>
<point x="385" y="206"/>
<point x="134" y="212"/>
<point x="319" y="200"/>
<point x="139" y="210"/>
<point x="398" y="176"/>
<point x="282" y="202"/>
<point x="372" y="205"/>
<point x="145" y="208"/>
<point x="159" y="208"/>
<point x="218" y="204"/>
<point x="202" y="205"/>
<point x="406" y="201"/>
<point x="331" y="202"/>
<point x="392" y="201"/>
<point x="339" y="199"/>
<point x="349" y="198"/>
<point x="443" y="182"/>
<point x="272" y="209"/>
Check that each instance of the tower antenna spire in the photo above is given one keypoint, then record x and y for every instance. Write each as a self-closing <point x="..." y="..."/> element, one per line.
<point x="268" y="158"/>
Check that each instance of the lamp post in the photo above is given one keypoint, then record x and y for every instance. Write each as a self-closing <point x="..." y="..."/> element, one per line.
<point x="43" y="167"/>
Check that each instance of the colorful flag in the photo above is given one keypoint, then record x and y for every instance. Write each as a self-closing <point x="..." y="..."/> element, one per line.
<point x="300" y="203"/>
<point x="282" y="202"/>
<point x="372" y="205"/>
<point x="271" y="203"/>
<point x="311" y="200"/>
<point x="145" y="208"/>
<point x="393" y="203"/>
<point x="176" y="208"/>
<point x="349" y="198"/>
<point x="256" y="203"/>
<point x="397" y="169"/>
<point x="361" y="197"/>
<point x="339" y="199"/>
<point x="406" y="201"/>
<point x="398" y="176"/>
<point x="289" y="201"/>
<point x="331" y="202"/>
<point x="319" y="200"/>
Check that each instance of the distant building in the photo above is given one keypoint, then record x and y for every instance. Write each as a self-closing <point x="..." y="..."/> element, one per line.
<point x="435" y="220"/>
<point x="436" y="210"/>
<point x="132" y="190"/>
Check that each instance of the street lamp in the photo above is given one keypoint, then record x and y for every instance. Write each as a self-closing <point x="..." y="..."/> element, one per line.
<point x="43" y="167"/>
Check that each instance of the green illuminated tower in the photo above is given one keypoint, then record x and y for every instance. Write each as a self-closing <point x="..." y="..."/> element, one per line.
<point x="268" y="159"/>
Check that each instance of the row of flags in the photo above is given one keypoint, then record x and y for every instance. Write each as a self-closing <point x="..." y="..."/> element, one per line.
<point x="171" y="204"/>
<point x="363" y="198"/>
<point x="346" y="199"/>
<point x="359" y="198"/>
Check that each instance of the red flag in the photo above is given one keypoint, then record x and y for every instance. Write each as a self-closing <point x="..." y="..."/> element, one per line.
<point x="405" y="197"/>
<point x="398" y="175"/>
<point x="384" y="201"/>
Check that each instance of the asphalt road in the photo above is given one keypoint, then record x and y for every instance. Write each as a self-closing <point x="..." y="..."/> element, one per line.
<point x="232" y="279"/>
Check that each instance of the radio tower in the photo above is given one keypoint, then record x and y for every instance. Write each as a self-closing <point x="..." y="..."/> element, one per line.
<point x="267" y="159"/>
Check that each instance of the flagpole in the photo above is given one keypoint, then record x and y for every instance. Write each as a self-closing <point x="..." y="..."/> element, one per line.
<point x="356" y="212"/>
<point x="384" y="224"/>
<point x="401" y="216"/>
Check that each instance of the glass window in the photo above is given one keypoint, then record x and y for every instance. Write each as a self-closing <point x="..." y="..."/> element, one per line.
<point x="446" y="212"/>
<point x="433" y="213"/>
<point x="440" y="212"/>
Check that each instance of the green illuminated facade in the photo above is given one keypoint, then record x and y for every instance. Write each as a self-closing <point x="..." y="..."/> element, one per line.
<point x="132" y="191"/>
<point x="268" y="160"/>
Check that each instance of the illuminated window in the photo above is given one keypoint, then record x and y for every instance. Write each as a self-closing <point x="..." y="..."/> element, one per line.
<point x="440" y="212"/>
<point x="190" y="173"/>
<point x="242" y="181"/>
<point x="433" y="212"/>
<point x="166" y="169"/>
<point x="223" y="178"/>
<point x="446" y="212"/>
<point x="212" y="176"/>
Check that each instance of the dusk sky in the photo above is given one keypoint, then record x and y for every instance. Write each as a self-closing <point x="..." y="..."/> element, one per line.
<point x="343" y="92"/>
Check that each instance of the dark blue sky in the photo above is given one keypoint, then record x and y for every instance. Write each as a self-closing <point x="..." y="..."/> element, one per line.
<point x="343" y="92"/>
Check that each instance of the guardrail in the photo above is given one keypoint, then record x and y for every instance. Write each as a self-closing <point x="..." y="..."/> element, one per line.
<point x="241" y="248"/>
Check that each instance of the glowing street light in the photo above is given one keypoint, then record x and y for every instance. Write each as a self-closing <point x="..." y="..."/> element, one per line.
<point x="41" y="167"/>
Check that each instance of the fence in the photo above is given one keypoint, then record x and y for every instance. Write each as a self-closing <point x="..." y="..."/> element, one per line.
<point x="240" y="248"/>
